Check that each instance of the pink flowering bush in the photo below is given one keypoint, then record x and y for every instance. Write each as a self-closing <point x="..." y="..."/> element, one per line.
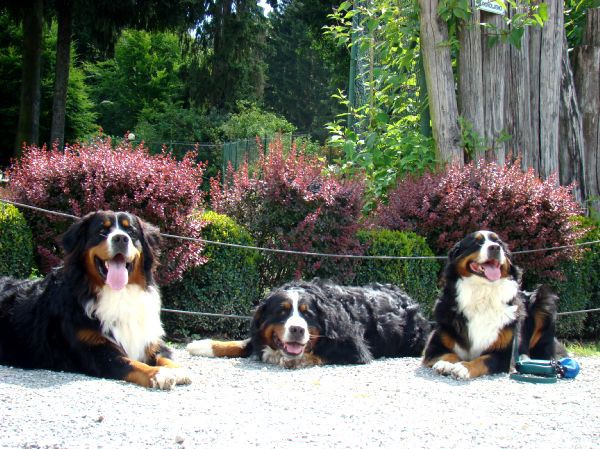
<point x="93" y="176"/>
<point x="287" y="201"/>
<point x="526" y="212"/>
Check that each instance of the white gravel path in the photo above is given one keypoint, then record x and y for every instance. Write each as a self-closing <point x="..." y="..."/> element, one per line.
<point x="393" y="403"/>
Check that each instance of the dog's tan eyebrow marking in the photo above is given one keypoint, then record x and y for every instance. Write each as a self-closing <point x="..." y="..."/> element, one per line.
<point x="107" y="223"/>
<point x="125" y="222"/>
<point x="303" y="307"/>
<point x="479" y="236"/>
<point x="286" y="305"/>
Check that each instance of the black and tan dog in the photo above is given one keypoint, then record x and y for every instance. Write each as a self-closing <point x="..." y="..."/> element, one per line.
<point x="480" y="309"/>
<point x="99" y="314"/>
<point x="313" y="323"/>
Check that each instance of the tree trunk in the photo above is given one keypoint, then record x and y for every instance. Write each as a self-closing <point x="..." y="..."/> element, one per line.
<point x="470" y="77"/>
<point x="61" y="80"/>
<point x="572" y="151"/>
<point x="587" y="83"/>
<point x="494" y="78"/>
<point x="546" y="47"/>
<point x="518" y="101"/>
<point x="29" y="111"/>
<point x="440" y="84"/>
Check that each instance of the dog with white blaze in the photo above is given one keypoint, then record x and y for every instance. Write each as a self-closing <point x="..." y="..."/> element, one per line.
<point x="319" y="322"/>
<point x="480" y="309"/>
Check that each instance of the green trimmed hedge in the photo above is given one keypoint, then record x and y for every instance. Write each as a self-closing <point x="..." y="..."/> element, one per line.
<point x="578" y="289"/>
<point x="227" y="283"/>
<point x="16" y="243"/>
<point x="417" y="277"/>
<point x="581" y="290"/>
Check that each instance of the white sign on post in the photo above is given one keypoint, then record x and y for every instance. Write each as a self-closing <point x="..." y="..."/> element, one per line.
<point x="489" y="6"/>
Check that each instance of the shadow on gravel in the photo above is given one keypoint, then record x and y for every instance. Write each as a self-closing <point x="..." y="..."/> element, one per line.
<point x="39" y="379"/>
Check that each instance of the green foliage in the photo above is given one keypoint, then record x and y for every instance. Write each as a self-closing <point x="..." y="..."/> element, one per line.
<point x="16" y="243"/>
<point x="305" y="67"/>
<point x="227" y="284"/>
<point x="575" y="13"/>
<point x="382" y="136"/>
<point x="418" y="277"/>
<point x="228" y="55"/>
<point x="80" y="117"/>
<point x="525" y="13"/>
<point x="251" y="121"/>
<point x="579" y="288"/>
<point x="143" y="74"/>
<point x="176" y="129"/>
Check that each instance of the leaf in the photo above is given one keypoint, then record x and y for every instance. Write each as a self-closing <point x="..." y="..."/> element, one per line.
<point x="543" y="11"/>
<point x="516" y="36"/>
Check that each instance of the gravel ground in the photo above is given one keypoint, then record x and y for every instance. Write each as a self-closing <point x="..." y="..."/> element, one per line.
<point x="393" y="403"/>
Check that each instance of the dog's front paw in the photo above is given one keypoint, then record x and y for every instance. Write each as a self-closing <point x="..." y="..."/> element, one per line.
<point x="460" y="372"/>
<point x="292" y="363"/>
<point x="167" y="378"/>
<point x="456" y="370"/>
<point x="442" y="367"/>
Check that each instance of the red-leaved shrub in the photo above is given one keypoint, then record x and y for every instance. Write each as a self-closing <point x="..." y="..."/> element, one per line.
<point x="526" y="212"/>
<point x="287" y="201"/>
<point x="94" y="176"/>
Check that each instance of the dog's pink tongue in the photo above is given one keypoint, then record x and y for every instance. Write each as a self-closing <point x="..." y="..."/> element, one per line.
<point x="491" y="271"/>
<point x="293" y="348"/>
<point x="117" y="276"/>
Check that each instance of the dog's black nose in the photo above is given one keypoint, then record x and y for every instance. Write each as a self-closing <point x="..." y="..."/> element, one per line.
<point x="494" y="251"/>
<point x="120" y="241"/>
<point x="296" y="331"/>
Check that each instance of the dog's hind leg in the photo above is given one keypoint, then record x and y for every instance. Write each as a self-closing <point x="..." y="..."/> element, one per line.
<point x="216" y="348"/>
<point x="539" y="329"/>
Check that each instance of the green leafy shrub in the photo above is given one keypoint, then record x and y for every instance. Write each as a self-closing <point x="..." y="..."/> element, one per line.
<point x="227" y="283"/>
<point x="580" y="289"/>
<point x="16" y="243"/>
<point x="251" y="121"/>
<point x="418" y="277"/>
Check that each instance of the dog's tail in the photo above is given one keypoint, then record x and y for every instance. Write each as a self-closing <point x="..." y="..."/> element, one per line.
<point x="216" y="348"/>
<point x="538" y="336"/>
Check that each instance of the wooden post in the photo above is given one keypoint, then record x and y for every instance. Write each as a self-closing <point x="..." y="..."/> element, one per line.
<point x="587" y="83"/>
<point x="440" y="83"/>
<point x="550" y="77"/>
<point x="494" y="70"/>
<point x="571" y="151"/>
<point x="470" y="77"/>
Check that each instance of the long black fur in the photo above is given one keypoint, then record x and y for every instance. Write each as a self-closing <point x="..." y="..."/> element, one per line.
<point x="40" y="318"/>
<point x="453" y="326"/>
<point x="356" y="324"/>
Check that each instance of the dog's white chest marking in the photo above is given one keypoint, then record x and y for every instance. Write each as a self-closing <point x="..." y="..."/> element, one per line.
<point x="130" y="316"/>
<point x="485" y="305"/>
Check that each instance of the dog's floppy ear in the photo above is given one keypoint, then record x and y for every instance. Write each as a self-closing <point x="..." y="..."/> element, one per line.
<point x="73" y="239"/>
<point x="257" y="319"/>
<point x="151" y="240"/>
<point x="454" y="252"/>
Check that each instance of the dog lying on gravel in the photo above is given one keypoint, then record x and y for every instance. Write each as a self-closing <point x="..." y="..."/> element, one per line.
<point x="314" y="323"/>
<point x="99" y="314"/>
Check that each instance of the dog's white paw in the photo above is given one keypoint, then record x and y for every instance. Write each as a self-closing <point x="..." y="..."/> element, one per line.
<point x="202" y="348"/>
<point x="166" y="378"/>
<point x="456" y="370"/>
<point x="460" y="372"/>
<point x="272" y="356"/>
<point x="442" y="367"/>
